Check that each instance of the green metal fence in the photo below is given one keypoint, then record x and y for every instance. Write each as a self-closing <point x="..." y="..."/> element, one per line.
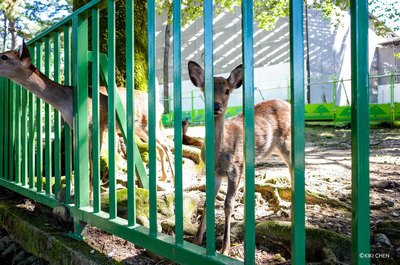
<point x="27" y="131"/>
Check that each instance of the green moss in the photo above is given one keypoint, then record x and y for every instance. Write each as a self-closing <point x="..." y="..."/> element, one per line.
<point x="36" y="235"/>
<point x="142" y="202"/>
<point x="271" y="232"/>
<point x="165" y="205"/>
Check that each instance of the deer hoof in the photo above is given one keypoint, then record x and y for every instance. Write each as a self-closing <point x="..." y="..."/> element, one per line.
<point x="225" y="250"/>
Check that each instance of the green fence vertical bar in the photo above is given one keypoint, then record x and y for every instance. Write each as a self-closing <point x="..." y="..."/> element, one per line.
<point x="24" y="137"/>
<point x="6" y="126"/>
<point x="392" y="105"/>
<point x="209" y="106"/>
<point x="31" y="143"/>
<point x="130" y="110"/>
<point x="178" y="122"/>
<point x="151" y="29"/>
<point x="111" y="110"/>
<point x="67" y="129"/>
<point x="298" y="135"/>
<point x="81" y="143"/>
<point x="360" y="235"/>
<point x="39" y="137"/>
<point x="18" y="134"/>
<point x="11" y="134"/>
<point x="57" y="117"/>
<point x="47" y="119"/>
<point x="248" y="127"/>
<point x="96" y="109"/>
<point x="2" y="100"/>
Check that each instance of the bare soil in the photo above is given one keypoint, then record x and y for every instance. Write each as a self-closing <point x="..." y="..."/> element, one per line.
<point x="328" y="172"/>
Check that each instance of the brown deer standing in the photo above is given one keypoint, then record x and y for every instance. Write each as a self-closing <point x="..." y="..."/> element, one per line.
<point x="272" y="132"/>
<point x="17" y="65"/>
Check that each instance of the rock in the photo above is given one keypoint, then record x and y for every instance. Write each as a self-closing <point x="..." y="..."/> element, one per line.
<point x="10" y="251"/>
<point x="382" y="239"/>
<point x="62" y="214"/>
<point x="28" y="260"/>
<point x="6" y="239"/>
<point x="19" y="257"/>
<point x="390" y="203"/>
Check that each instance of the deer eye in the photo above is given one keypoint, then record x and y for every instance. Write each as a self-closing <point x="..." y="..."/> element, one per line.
<point x="227" y="92"/>
<point x="4" y="57"/>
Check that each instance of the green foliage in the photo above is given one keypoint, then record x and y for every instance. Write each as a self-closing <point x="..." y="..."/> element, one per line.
<point x="29" y="17"/>
<point x="386" y="15"/>
<point x="46" y="13"/>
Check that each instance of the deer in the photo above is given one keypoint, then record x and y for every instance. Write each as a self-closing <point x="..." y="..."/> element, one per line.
<point x="17" y="66"/>
<point x="272" y="133"/>
<point x="186" y="139"/>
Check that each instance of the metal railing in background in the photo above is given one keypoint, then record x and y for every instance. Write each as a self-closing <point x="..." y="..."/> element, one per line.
<point x="22" y="125"/>
<point x="384" y="102"/>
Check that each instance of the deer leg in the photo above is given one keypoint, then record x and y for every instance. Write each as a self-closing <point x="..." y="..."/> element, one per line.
<point x="164" y="149"/>
<point x="202" y="228"/>
<point x="233" y="185"/>
<point x="162" y="158"/>
<point x="284" y="153"/>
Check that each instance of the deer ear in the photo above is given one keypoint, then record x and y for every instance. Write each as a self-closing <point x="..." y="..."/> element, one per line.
<point x="235" y="78"/>
<point x="24" y="55"/>
<point x="196" y="74"/>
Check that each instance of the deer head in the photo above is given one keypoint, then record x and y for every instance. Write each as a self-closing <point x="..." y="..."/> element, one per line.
<point x="13" y="62"/>
<point x="222" y="87"/>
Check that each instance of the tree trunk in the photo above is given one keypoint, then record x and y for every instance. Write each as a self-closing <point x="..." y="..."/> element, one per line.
<point x="167" y="46"/>
<point x="140" y="56"/>
<point x="5" y="32"/>
<point x="13" y="33"/>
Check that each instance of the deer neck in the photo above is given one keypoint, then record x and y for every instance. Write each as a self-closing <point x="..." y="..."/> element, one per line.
<point x="219" y="123"/>
<point x="58" y="96"/>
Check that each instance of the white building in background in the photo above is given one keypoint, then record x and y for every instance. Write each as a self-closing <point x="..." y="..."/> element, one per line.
<point x="328" y="57"/>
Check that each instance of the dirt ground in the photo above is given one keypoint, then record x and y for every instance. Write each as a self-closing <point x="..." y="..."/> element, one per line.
<point x="328" y="173"/>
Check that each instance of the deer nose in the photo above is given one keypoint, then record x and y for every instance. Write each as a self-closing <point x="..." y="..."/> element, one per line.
<point x="217" y="106"/>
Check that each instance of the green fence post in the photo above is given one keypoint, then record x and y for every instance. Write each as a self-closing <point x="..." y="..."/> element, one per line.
<point x="67" y="129"/>
<point x="81" y="144"/>
<point x="57" y="117"/>
<point x="360" y="235"/>
<point x="209" y="141"/>
<point x="47" y="120"/>
<point x="130" y="110"/>
<point x="248" y="127"/>
<point x="298" y="136"/>
<point x="18" y="134"/>
<point x="31" y="143"/>
<point x="96" y="109"/>
<point x="39" y="137"/>
<point x="24" y="137"/>
<point x="178" y="122"/>
<point x="152" y="116"/>
<point x="111" y="110"/>
<point x="2" y="100"/>
<point x="6" y="126"/>
<point x="11" y="135"/>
